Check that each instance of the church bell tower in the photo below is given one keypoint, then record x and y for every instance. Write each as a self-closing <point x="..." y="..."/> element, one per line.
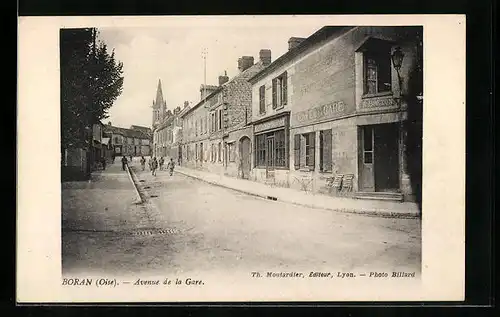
<point x="159" y="106"/>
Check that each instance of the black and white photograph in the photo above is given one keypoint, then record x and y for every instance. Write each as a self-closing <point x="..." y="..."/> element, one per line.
<point x="277" y="157"/>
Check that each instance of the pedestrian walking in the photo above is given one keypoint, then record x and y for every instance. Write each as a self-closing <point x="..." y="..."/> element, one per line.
<point x="143" y="163"/>
<point x="161" y="163"/>
<point x="171" y="166"/>
<point x="154" y="166"/>
<point x="124" y="162"/>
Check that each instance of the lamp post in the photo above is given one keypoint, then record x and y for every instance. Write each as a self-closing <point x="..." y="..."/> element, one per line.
<point x="397" y="60"/>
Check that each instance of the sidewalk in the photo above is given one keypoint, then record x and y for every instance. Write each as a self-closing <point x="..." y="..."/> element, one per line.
<point x="340" y="204"/>
<point x="107" y="202"/>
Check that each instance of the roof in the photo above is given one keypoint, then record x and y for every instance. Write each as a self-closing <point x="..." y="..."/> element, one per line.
<point x="321" y="35"/>
<point x="129" y="133"/>
<point x="201" y="101"/>
<point x="243" y="75"/>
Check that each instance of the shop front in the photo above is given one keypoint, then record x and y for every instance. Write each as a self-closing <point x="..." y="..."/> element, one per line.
<point x="271" y="160"/>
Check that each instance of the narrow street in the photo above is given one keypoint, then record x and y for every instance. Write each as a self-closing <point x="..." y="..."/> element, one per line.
<point x="186" y="225"/>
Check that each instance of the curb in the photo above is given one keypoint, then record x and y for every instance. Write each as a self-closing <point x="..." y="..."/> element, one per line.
<point x="139" y="198"/>
<point x="400" y="215"/>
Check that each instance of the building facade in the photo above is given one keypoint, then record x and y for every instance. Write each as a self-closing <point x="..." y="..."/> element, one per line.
<point x="335" y="105"/>
<point x="128" y="142"/>
<point x="217" y="131"/>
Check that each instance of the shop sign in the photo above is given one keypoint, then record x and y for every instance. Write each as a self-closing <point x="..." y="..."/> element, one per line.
<point x="268" y="125"/>
<point x="371" y="103"/>
<point x="327" y="111"/>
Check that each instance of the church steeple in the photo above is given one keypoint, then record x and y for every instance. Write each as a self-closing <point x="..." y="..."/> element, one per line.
<point x="159" y="96"/>
<point x="159" y="105"/>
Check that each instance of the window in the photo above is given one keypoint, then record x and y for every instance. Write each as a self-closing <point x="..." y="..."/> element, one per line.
<point x="279" y="148"/>
<point x="219" y="152"/>
<point x="216" y="120"/>
<point x="325" y="150"/>
<point x="280" y="91"/>
<point x="201" y="152"/>
<point x="368" y="145"/>
<point x="230" y="150"/>
<point x="196" y="127"/>
<point x="196" y="151"/>
<point x="309" y="149"/>
<point x="220" y="119"/>
<point x="304" y="150"/>
<point x="260" y="151"/>
<point x="262" y="99"/>
<point x="117" y="141"/>
<point x="271" y="149"/>
<point x="377" y="74"/>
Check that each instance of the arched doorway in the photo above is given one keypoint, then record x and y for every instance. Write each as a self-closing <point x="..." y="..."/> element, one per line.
<point x="244" y="151"/>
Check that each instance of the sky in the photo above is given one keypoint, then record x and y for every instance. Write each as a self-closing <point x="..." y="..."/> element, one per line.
<point x="173" y="54"/>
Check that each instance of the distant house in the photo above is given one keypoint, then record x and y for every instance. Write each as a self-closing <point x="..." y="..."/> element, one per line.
<point x="134" y="141"/>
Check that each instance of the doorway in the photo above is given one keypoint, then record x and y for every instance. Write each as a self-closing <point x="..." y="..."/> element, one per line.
<point x="379" y="158"/>
<point x="244" y="151"/>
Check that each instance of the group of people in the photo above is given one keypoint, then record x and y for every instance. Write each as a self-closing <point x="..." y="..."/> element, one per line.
<point x="153" y="163"/>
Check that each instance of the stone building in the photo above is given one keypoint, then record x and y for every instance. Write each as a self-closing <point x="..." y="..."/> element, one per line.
<point x="335" y="104"/>
<point x="217" y="131"/>
<point x="135" y="142"/>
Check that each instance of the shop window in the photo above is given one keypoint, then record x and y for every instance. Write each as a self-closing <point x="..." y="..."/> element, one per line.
<point x="280" y="90"/>
<point x="270" y="149"/>
<point x="377" y="71"/>
<point x="260" y="150"/>
<point x="325" y="150"/>
<point x="280" y="148"/>
<point x="262" y="99"/>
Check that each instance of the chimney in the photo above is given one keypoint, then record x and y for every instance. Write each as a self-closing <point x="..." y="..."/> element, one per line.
<point x="206" y="90"/>
<point x="186" y="104"/>
<point x="245" y="62"/>
<point x="223" y="79"/>
<point x="109" y="122"/>
<point x="265" y="56"/>
<point x="294" y="42"/>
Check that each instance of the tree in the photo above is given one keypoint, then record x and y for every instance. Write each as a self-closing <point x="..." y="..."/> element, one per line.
<point x="91" y="80"/>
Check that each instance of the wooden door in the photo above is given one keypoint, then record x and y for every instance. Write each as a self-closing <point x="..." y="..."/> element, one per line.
<point x="245" y="157"/>
<point x="367" y="180"/>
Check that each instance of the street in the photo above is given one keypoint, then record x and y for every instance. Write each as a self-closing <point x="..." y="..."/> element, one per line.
<point x="186" y="225"/>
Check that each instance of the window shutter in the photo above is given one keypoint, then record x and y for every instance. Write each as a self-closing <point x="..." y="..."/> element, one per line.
<point x="274" y="94"/>
<point x="312" y="148"/>
<point x="327" y="150"/>
<point x="297" y="151"/>
<point x="262" y="100"/>
<point x="285" y="88"/>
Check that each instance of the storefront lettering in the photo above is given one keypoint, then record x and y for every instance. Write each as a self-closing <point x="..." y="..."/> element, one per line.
<point x="273" y="124"/>
<point x="322" y="112"/>
<point x="369" y="103"/>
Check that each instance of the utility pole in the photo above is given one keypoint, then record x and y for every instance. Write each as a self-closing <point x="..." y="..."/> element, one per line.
<point x="204" y="54"/>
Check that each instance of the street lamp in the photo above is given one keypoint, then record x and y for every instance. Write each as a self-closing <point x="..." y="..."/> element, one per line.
<point x="397" y="60"/>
